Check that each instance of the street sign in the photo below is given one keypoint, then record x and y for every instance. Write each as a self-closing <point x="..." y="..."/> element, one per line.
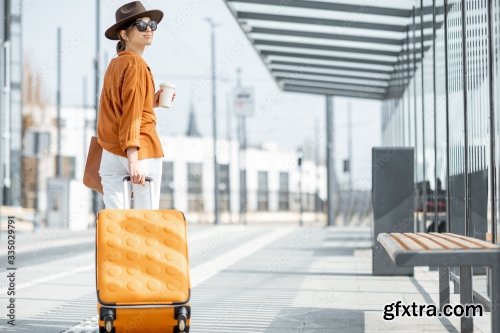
<point x="243" y="101"/>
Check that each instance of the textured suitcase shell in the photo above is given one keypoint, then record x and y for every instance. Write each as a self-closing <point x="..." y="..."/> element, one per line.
<point x="142" y="257"/>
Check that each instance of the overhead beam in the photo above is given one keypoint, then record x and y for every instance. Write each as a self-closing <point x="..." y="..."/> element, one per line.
<point x="301" y="65"/>
<point x="342" y="7"/>
<point x="332" y="92"/>
<point x="333" y="75"/>
<point x="328" y="22"/>
<point x="329" y="58"/>
<point x="334" y="48"/>
<point x="365" y="84"/>
<point x="325" y="35"/>
<point x="339" y="7"/>
<point x="338" y="37"/>
<point x="334" y="85"/>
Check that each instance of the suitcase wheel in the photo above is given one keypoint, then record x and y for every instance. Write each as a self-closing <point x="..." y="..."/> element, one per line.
<point x="103" y="330"/>
<point x="108" y="323"/>
<point x="181" y="324"/>
<point x="182" y="318"/>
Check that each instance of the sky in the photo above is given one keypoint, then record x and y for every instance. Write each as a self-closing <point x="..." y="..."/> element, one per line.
<point x="180" y="54"/>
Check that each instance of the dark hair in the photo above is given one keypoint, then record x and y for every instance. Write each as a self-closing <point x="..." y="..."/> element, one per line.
<point x="122" y="44"/>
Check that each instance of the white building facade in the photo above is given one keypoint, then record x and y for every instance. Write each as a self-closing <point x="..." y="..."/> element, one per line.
<point x="274" y="178"/>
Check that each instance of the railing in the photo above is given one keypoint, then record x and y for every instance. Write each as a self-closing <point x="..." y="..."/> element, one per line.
<point x="349" y="207"/>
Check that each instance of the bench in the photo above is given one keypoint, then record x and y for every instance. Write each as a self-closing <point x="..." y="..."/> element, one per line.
<point x="445" y="250"/>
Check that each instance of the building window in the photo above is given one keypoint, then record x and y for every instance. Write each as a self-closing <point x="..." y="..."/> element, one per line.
<point x="262" y="191"/>
<point x="224" y="189"/>
<point x="284" y="192"/>
<point x="167" y="186"/>
<point x="195" y="187"/>
<point x="67" y="166"/>
<point x="243" y="192"/>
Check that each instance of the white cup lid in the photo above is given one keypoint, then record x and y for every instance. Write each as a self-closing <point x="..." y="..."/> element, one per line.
<point x="167" y="85"/>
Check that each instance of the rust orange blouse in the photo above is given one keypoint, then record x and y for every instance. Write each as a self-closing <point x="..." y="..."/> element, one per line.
<point x="126" y="116"/>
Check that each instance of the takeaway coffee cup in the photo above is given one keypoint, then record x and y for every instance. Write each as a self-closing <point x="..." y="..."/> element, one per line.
<point x="166" y="95"/>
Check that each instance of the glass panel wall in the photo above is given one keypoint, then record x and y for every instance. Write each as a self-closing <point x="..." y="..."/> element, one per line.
<point x="443" y="109"/>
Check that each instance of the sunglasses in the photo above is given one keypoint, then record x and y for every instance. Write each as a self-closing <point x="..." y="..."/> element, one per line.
<point x="143" y="26"/>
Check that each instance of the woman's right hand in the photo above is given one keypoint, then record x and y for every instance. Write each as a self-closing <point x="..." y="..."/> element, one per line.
<point x="136" y="175"/>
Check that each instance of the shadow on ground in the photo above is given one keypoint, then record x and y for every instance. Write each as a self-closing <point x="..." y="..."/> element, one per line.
<point x="305" y="320"/>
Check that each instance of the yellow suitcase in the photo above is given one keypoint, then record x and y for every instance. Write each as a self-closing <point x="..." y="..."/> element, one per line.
<point x="142" y="270"/>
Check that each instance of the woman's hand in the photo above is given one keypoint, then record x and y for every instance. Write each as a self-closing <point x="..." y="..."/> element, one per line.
<point x="156" y="99"/>
<point x="136" y="175"/>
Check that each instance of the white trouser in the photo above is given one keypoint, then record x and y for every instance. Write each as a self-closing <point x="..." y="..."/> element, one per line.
<point x="112" y="171"/>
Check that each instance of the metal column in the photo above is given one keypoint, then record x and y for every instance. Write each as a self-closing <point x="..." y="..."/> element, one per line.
<point x="58" y="104"/>
<point x="495" y="297"/>
<point x="2" y="78"/>
<point x="424" y="174"/>
<point x="214" y="123"/>
<point x="95" y="195"/>
<point x="330" y="160"/>
<point x="466" y="131"/>
<point x="349" y="147"/>
<point x="242" y="159"/>
<point x="408" y="79"/>
<point x="448" y="205"/>
<point x="436" y="222"/>
<point x="6" y="109"/>
<point x="491" y="84"/>
<point x="415" y="106"/>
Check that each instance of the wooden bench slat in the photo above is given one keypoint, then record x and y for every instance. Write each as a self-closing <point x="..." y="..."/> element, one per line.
<point x="444" y="242"/>
<point x="426" y="243"/>
<point x="464" y="242"/>
<point x="405" y="242"/>
<point x="450" y="237"/>
<point x="390" y="244"/>
<point x="477" y="242"/>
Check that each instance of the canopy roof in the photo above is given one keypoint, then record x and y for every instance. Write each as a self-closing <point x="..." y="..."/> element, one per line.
<point x="338" y="48"/>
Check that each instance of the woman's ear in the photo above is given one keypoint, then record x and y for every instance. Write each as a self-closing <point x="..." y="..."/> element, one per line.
<point x="123" y="34"/>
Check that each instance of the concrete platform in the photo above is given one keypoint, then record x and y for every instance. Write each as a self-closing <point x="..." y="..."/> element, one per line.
<point x="276" y="278"/>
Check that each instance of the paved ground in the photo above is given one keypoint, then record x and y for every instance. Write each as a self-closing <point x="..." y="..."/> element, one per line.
<point x="264" y="278"/>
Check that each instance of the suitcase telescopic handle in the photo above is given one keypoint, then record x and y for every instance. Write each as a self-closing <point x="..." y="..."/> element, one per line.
<point x="126" y="197"/>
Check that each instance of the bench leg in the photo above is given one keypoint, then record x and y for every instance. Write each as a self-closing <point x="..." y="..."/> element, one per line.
<point x="444" y="286"/>
<point x="454" y="281"/>
<point x="466" y="324"/>
<point x="495" y="298"/>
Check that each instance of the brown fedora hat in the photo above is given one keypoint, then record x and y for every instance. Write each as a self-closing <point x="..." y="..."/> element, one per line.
<point x="128" y="13"/>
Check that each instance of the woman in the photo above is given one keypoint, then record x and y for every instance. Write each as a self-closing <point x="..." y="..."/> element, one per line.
<point x="126" y="125"/>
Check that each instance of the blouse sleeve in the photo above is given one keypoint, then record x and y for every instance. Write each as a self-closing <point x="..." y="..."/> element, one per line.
<point x="132" y="99"/>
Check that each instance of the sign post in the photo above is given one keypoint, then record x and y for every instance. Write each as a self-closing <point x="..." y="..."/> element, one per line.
<point x="243" y="101"/>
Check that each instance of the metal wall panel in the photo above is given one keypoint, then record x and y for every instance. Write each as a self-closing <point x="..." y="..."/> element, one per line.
<point x="393" y="198"/>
